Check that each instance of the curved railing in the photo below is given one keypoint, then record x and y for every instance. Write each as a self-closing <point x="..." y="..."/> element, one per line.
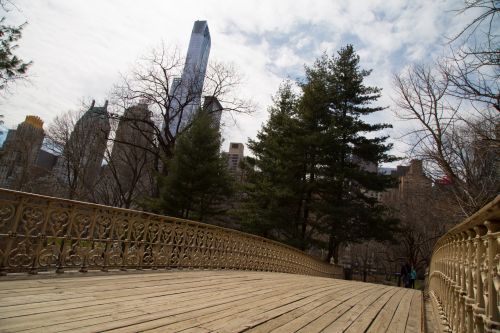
<point x="39" y="233"/>
<point x="464" y="280"/>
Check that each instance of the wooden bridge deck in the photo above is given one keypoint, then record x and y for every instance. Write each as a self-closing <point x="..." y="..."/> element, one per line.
<point x="205" y="301"/>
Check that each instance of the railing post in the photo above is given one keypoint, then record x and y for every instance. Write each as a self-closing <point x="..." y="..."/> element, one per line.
<point x="480" y="256"/>
<point x="492" y="314"/>
<point x="126" y="242"/>
<point x="454" y="285"/>
<point x="90" y="238"/>
<point x="12" y="235"/>
<point x="469" y="299"/>
<point x="65" y="236"/>
<point x="461" y="286"/>
<point x="108" y="240"/>
<point x="40" y="238"/>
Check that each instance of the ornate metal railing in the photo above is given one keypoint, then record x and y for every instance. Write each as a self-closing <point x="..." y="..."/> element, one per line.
<point x="464" y="280"/>
<point x="39" y="233"/>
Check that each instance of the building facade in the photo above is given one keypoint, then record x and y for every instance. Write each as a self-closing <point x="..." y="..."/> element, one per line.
<point x="79" y="165"/>
<point x="186" y="92"/>
<point x="234" y="156"/>
<point x="412" y="184"/>
<point x="131" y="162"/>
<point x="212" y="106"/>
<point x="19" y="154"/>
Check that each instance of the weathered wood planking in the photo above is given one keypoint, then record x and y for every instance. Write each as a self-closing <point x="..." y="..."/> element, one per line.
<point x="205" y="301"/>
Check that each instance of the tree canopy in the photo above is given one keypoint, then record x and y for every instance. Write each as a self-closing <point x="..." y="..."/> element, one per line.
<point x="314" y="174"/>
<point x="11" y="66"/>
<point x="198" y="180"/>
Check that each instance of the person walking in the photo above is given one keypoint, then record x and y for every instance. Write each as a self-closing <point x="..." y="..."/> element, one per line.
<point x="405" y="275"/>
<point x="413" y="277"/>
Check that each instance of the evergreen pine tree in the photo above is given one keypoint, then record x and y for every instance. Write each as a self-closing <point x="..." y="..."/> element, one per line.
<point x="310" y="182"/>
<point x="333" y="103"/>
<point x="275" y="177"/>
<point x="11" y="66"/>
<point x="198" y="179"/>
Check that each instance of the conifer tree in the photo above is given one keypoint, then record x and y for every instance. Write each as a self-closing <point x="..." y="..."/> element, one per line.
<point x="343" y="159"/>
<point x="198" y="178"/>
<point x="275" y="177"/>
<point x="11" y="66"/>
<point x="314" y="174"/>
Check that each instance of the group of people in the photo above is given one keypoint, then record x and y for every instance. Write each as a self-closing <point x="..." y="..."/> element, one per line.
<point x="408" y="275"/>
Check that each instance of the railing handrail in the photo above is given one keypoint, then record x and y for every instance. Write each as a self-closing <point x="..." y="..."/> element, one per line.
<point x="464" y="273"/>
<point x="127" y="210"/>
<point x="144" y="217"/>
<point x="489" y="211"/>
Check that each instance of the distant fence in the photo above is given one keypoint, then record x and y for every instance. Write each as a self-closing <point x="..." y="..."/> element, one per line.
<point x="39" y="233"/>
<point x="464" y="275"/>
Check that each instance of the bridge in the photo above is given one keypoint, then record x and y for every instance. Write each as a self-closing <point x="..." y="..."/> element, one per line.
<point x="131" y="271"/>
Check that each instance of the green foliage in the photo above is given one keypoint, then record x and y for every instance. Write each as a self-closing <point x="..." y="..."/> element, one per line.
<point x="275" y="177"/>
<point x="197" y="180"/>
<point x="311" y="180"/>
<point x="11" y="67"/>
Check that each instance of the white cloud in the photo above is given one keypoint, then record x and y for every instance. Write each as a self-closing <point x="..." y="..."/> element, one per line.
<point x="79" y="47"/>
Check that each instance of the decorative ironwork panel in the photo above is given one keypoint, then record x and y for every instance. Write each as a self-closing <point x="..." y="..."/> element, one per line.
<point x="39" y="233"/>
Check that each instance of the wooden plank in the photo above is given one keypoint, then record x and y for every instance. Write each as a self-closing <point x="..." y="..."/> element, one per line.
<point x="353" y="306"/>
<point x="308" y="318"/>
<point x="236" y="313"/>
<point x="125" y="318"/>
<point x="215" y="321"/>
<point x="90" y="311"/>
<point x="161" y="318"/>
<point x="370" y="312"/>
<point x="384" y="317"/>
<point x="319" y="311"/>
<point x="414" y="323"/>
<point x="98" y="298"/>
<point x="206" y="301"/>
<point x="88" y="287"/>
<point x="273" y="310"/>
<point x="270" y="325"/>
<point x="398" y="322"/>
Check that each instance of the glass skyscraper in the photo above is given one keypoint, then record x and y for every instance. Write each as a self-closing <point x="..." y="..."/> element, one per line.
<point x="187" y="90"/>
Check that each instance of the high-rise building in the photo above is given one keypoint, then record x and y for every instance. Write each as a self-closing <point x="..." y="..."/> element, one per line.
<point x="19" y="153"/>
<point x="186" y="92"/>
<point x="131" y="161"/>
<point x="80" y="163"/>
<point x="412" y="184"/>
<point x="234" y="156"/>
<point x="212" y="106"/>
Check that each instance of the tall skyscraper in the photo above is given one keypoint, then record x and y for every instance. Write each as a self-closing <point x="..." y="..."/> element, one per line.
<point x="212" y="106"/>
<point x="80" y="163"/>
<point x="19" y="154"/>
<point x="186" y="92"/>
<point x="131" y="161"/>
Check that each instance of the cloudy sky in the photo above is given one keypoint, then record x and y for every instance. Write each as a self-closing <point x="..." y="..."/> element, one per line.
<point x="80" y="47"/>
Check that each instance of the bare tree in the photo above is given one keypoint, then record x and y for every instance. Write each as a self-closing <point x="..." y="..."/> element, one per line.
<point x="474" y="75"/>
<point x="128" y="175"/>
<point x="450" y="141"/>
<point x="154" y="81"/>
<point x="474" y="63"/>
<point x="488" y="10"/>
<point x="80" y="140"/>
